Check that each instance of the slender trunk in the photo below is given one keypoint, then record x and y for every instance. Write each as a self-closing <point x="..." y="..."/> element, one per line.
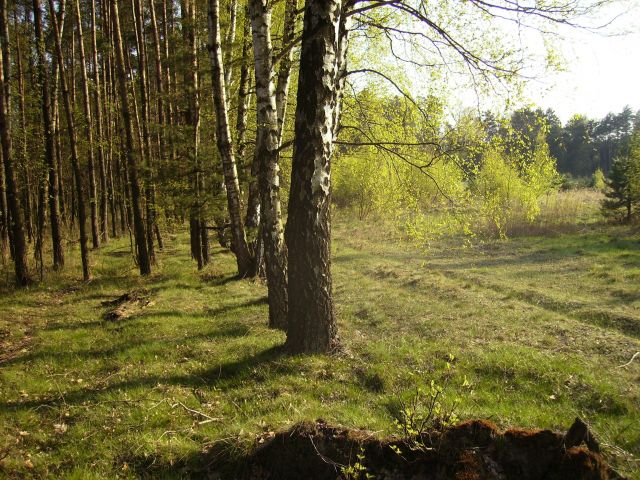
<point x="230" y="38"/>
<point x="49" y="142"/>
<point x="19" y="244"/>
<point x="4" y="220"/>
<point x="143" y="256"/>
<point x="145" y="119"/>
<point x="312" y="324"/>
<point x="71" y="129"/>
<point x="97" y="108"/>
<point x="86" y="103"/>
<point x="267" y="153"/>
<point x="243" y="91"/>
<point x="159" y="80"/>
<point x="225" y="148"/>
<point x="193" y="119"/>
<point x="284" y="71"/>
<point x="23" y="158"/>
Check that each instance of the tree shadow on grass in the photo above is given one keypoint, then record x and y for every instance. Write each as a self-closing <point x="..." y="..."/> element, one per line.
<point x="227" y="331"/>
<point x="227" y="375"/>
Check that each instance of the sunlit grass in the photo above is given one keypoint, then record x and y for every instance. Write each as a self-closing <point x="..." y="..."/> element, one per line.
<point x="538" y="326"/>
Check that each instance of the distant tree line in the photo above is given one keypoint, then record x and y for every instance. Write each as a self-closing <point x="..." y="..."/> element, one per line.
<point x="580" y="146"/>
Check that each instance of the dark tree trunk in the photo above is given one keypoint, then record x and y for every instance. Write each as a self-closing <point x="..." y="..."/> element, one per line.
<point x="144" y="262"/>
<point x="312" y="322"/>
<point x="19" y="247"/>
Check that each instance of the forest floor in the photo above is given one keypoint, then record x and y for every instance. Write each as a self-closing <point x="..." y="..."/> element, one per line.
<point x="529" y="332"/>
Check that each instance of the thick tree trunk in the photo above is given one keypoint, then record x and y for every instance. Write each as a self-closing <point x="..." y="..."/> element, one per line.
<point x="71" y="130"/>
<point x="312" y="322"/>
<point x="267" y="154"/>
<point x="225" y="148"/>
<point x="19" y="245"/>
<point x="86" y="103"/>
<point x="49" y="142"/>
<point x="143" y="256"/>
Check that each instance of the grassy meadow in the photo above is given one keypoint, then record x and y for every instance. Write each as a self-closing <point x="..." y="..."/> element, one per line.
<point x="528" y="332"/>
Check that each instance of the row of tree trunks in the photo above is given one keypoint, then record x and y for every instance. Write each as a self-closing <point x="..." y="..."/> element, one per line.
<point x="88" y="128"/>
<point x="144" y="262"/>
<point x="49" y="142"/>
<point x="73" y="145"/>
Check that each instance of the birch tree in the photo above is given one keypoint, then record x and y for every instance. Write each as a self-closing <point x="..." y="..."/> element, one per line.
<point x="267" y="144"/>
<point x="239" y="245"/>
<point x="311" y="317"/>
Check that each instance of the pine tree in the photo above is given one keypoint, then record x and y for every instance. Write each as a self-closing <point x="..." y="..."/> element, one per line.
<point x="620" y="194"/>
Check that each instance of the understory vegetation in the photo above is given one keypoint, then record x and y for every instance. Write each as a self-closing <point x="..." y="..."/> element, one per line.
<point x="528" y="332"/>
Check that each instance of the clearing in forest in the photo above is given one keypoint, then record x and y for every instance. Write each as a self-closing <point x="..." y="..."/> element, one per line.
<point x="530" y="332"/>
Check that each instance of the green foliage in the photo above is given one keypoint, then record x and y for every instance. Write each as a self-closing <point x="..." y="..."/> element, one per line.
<point x="598" y="180"/>
<point x="622" y="192"/>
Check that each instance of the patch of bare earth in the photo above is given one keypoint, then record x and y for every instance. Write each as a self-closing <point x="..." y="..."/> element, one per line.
<point x="473" y="450"/>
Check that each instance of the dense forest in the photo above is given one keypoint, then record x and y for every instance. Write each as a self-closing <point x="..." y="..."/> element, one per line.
<point x="216" y="144"/>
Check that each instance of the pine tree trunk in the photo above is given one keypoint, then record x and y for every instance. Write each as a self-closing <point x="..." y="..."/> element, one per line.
<point x="97" y="108"/>
<point x="267" y="154"/>
<point x="144" y="262"/>
<point x="49" y="142"/>
<point x="23" y="158"/>
<point x="145" y="119"/>
<point x="225" y="148"/>
<point x="191" y="81"/>
<point x="71" y="130"/>
<point x="86" y="103"/>
<point x="312" y="322"/>
<point x="4" y="220"/>
<point x="19" y="247"/>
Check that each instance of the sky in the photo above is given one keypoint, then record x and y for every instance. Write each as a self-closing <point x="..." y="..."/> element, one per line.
<point x="602" y="71"/>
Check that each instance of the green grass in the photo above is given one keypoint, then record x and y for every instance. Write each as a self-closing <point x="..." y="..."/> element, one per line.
<point x="538" y="326"/>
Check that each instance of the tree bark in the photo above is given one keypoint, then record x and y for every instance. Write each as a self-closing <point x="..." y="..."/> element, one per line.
<point x="71" y="129"/>
<point x="284" y="70"/>
<point x="86" y="103"/>
<point x="225" y="147"/>
<point x="19" y="245"/>
<point x="144" y="262"/>
<point x="4" y="220"/>
<point x="145" y="119"/>
<point x="267" y="154"/>
<point x="312" y="322"/>
<point x="97" y="108"/>
<point x="49" y="141"/>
